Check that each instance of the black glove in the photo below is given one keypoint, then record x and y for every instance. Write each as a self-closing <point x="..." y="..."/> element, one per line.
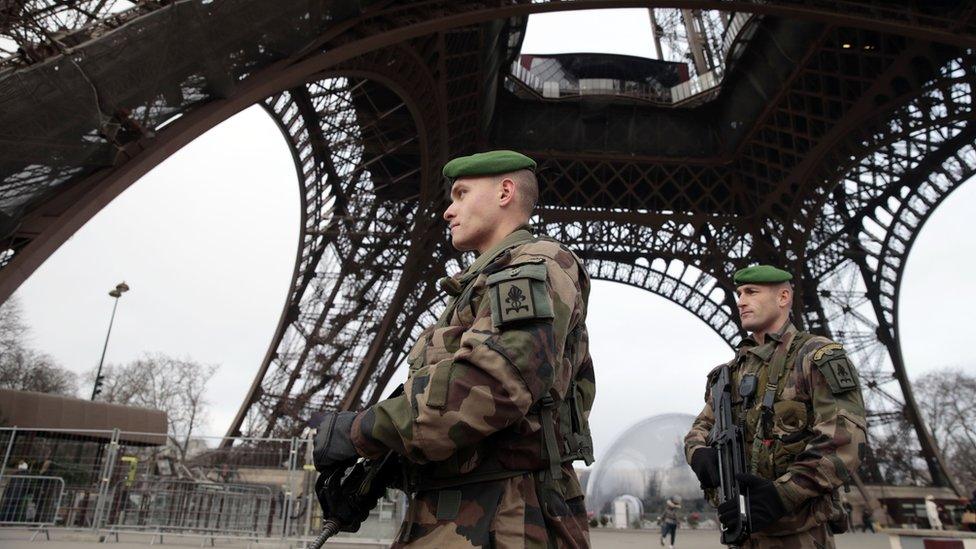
<point x="333" y="442"/>
<point x="765" y="505"/>
<point x="704" y="462"/>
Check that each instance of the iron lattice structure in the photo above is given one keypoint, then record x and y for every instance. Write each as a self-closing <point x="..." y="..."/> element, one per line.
<point x="817" y="134"/>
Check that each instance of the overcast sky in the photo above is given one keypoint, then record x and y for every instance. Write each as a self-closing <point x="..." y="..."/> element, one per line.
<point x="207" y="242"/>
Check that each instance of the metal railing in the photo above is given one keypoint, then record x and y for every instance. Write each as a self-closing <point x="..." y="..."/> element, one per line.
<point x="679" y="93"/>
<point x="192" y="506"/>
<point x="30" y="500"/>
<point x="114" y="481"/>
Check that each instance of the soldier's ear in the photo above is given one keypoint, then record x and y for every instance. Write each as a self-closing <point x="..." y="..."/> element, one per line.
<point x="506" y="191"/>
<point x="786" y="296"/>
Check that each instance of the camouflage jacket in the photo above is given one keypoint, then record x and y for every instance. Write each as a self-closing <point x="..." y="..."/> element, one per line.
<point x="512" y="335"/>
<point x="817" y="434"/>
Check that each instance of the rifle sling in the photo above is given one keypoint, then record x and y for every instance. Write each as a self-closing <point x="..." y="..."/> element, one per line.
<point x="776" y="367"/>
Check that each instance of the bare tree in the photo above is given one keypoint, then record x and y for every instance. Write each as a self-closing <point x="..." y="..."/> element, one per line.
<point x="947" y="401"/>
<point x="23" y="368"/>
<point x="13" y="330"/>
<point x="176" y="386"/>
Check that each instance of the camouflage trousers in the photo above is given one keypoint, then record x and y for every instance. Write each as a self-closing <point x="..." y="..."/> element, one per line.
<point x="502" y="513"/>
<point x="818" y="537"/>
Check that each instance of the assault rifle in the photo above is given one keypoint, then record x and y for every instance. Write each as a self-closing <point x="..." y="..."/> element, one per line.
<point x="347" y="494"/>
<point x="727" y="438"/>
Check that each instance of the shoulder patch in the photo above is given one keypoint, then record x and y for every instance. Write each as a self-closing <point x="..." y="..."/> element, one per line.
<point x="832" y="362"/>
<point x="519" y="292"/>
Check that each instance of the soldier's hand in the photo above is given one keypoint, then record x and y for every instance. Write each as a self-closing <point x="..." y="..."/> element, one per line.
<point x="339" y="498"/>
<point x="704" y="462"/>
<point x="333" y="442"/>
<point x="765" y="505"/>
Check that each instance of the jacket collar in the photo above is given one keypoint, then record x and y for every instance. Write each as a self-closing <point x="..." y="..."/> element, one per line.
<point x="453" y="285"/>
<point x="773" y="339"/>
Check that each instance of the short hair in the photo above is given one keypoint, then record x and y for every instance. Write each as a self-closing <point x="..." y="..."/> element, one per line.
<point x="528" y="189"/>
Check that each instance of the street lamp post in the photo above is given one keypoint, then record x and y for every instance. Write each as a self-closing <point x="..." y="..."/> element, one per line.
<point x="120" y="289"/>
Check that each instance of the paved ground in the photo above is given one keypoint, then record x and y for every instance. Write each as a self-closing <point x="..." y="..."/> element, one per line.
<point x="15" y="538"/>
<point x="602" y="538"/>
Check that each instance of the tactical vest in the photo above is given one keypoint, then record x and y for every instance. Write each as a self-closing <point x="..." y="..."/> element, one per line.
<point x="778" y="429"/>
<point x="564" y="435"/>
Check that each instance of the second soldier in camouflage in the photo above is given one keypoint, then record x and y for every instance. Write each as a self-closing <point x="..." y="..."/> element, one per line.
<point x="811" y="437"/>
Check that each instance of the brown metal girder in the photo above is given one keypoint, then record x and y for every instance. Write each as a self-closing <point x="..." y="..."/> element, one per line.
<point x="55" y="227"/>
<point x="295" y="290"/>
<point x="481" y="15"/>
<point x="55" y="224"/>
<point x="407" y="283"/>
<point x="425" y="301"/>
<point x="304" y="109"/>
<point x="681" y="176"/>
<point x="927" y="165"/>
<point x="649" y="219"/>
<point x="889" y="339"/>
<point x="401" y="34"/>
<point x="705" y="262"/>
<point x="844" y="168"/>
<point x="930" y="449"/>
<point x="541" y="155"/>
<point x="420" y="123"/>
<point x="848" y="17"/>
<point x="255" y="391"/>
<point x="749" y="139"/>
<point x="929" y="446"/>
<point x="767" y="145"/>
<point x="678" y="284"/>
<point x="337" y="54"/>
<point x="853" y="121"/>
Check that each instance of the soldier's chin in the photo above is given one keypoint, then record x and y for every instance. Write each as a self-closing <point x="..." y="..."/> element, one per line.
<point x="460" y="244"/>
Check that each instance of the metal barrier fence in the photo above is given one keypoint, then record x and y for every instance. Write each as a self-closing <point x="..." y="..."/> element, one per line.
<point x="30" y="499"/>
<point x="183" y="505"/>
<point x="118" y="481"/>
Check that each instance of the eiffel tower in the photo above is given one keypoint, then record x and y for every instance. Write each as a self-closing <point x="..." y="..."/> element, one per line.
<point x="818" y="135"/>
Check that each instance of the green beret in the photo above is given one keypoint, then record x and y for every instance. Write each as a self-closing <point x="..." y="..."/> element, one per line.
<point x="761" y="274"/>
<point x="487" y="163"/>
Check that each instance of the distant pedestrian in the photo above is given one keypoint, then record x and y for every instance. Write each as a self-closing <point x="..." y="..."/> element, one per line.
<point x="669" y="520"/>
<point x="867" y="520"/>
<point x="932" y="510"/>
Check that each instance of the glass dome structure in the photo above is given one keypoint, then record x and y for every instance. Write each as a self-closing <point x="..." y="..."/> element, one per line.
<point x="646" y="461"/>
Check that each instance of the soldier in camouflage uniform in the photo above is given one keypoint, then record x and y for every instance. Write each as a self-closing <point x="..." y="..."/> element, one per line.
<point x="495" y="406"/>
<point x="806" y="441"/>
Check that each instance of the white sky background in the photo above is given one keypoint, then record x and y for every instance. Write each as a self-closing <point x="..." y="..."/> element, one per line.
<point x="207" y="242"/>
